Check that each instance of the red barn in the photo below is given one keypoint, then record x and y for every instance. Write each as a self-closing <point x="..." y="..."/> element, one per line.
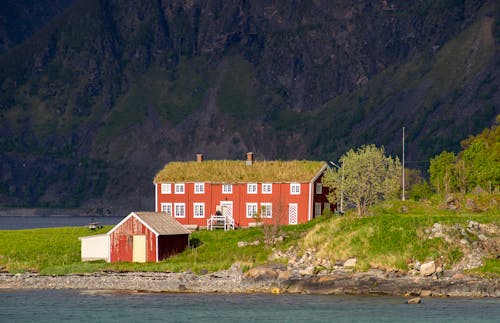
<point x="284" y="192"/>
<point x="146" y="237"/>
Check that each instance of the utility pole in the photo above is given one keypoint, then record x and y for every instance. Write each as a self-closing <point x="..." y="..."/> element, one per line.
<point x="403" y="163"/>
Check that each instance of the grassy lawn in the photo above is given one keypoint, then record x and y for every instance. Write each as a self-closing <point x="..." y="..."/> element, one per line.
<point x="391" y="237"/>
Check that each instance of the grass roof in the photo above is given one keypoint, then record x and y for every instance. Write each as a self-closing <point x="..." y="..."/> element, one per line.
<point x="235" y="171"/>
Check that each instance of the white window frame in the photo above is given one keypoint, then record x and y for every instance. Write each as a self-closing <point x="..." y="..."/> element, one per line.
<point x="319" y="188"/>
<point x="199" y="210"/>
<point x="166" y="188"/>
<point x="199" y="188"/>
<point x="266" y="210"/>
<point x="252" y="188"/>
<point x="252" y="209"/>
<point x="179" y="188"/>
<point x="267" y="188"/>
<point x="294" y="188"/>
<point x="317" y="209"/>
<point x="227" y="188"/>
<point x="178" y="207"/>
<point x="166" y="207"/>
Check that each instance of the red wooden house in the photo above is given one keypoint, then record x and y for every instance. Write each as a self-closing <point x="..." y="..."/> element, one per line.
<point x="146" y="237"/>
<point x="285" y="192"/>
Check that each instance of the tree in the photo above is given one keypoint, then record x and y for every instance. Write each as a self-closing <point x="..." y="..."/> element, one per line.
<point x="442" y="172"/>
<point x="366" y="177"/>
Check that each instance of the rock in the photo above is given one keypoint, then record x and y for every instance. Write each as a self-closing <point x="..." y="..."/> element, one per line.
<point x="452" y="203"/>
<point x="264" y="272"/>
<point x="428" y="268"/>
<point x="470" y="204"/>
<point x="415" y="300"/>
<point x="350" y="263"/>
<point x="285" y="275"/>
<point x="242" y="244"/>
<point x="458" y="276"/>
<point x="425" y="293"/>
<point x="307" y="271"/>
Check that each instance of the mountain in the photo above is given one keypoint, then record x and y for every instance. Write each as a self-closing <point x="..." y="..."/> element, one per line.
<point x="104" y="93"/>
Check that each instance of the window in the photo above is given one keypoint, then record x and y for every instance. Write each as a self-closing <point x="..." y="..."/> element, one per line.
<point x="267" y="210"/>
<point x="180" y="210"/>
<point x="294" y="188"/>
<point x="267" y="188"/>
<point x="166" y="188"/>
<point x="251" y="210"/>
<point x="251" y="188"/>
<point x="227" y="189"/>
<point x="199" y="210"/>
<point x="199" y="188"/>
<point x="167" y="208"/>
<point x="317" y="209"/>
<point x="319" y="188"/>
<point x="326" y="206"/>
<point x="179" y="188"/>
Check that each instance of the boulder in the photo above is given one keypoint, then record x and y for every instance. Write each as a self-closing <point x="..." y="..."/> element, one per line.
<point x="415" y="300"/>
<point x="425" y="293"/>
<point x="427" y="268"/>
<point x="350" y="263"/>
<point x="264" y="272"/>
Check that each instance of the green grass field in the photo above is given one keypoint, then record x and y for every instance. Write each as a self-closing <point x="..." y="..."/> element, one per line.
<point x="389" y="238"/>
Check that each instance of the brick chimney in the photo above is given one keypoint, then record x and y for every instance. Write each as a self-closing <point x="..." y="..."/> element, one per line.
<point x="249" y="158"/>
<point x="199" y="158"/>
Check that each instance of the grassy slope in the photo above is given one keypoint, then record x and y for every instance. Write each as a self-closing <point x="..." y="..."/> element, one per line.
<point x="388" y="240"/>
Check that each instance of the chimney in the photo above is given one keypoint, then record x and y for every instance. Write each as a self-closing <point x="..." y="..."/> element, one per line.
<point x="199" y="158"/>
<point x="249" y="158"/>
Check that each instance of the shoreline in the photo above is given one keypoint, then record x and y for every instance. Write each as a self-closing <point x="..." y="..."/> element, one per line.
<point x="263" y="279"/>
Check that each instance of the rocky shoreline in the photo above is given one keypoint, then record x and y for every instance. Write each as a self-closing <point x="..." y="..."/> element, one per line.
<point x="273" y="278"/>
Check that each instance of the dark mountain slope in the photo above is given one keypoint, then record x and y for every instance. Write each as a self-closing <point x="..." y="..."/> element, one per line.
<point x="106" y="93"/>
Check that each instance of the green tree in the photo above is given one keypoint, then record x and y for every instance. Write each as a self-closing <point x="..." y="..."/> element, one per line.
<point x="480" y="158"/>
<point x="366" y="177"/>
<point x="442" y="172"/>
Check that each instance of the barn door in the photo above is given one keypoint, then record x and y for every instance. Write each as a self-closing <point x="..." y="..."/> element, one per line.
<point x="139" y="249"/>
<point x="292" y="213"/>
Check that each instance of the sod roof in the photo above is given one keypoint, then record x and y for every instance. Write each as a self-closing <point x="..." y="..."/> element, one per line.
<point x="236" y="171"/>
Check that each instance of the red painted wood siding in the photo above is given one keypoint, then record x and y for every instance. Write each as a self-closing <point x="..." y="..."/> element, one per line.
<point x="121" y="241"/>
<point x="280" y="199"/>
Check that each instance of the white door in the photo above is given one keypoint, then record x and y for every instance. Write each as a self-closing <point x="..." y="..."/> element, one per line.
<point x="292" y="213"/>
<point x="227" y="208"/>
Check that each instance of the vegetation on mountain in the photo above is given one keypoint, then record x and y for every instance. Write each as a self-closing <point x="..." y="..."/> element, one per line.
<point x="477" y="166"/>
<point x="365" y="177"/>
<point x="100" y="97"/>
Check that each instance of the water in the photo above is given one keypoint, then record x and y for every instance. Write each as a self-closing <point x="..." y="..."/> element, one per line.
<point x="76" y="306"/>
<point x="32" y="222"/>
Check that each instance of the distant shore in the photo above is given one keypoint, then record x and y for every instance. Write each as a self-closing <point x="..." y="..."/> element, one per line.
<point x="264" y="279"/>
<point x="96" y="212"/>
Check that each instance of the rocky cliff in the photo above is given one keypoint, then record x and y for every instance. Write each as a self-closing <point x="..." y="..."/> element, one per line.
<point x="106" y="92"/>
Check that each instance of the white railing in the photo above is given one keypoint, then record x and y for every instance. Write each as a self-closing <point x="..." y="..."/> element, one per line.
<point x="225" y="222"/>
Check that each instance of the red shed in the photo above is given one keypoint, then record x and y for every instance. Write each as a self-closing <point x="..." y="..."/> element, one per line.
<point x="288" y="192"/>
<point x="146" y="237"/>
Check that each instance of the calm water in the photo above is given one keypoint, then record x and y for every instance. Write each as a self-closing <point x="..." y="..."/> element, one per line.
<point x="75" y="306"/>
<point x="31" y="222"/>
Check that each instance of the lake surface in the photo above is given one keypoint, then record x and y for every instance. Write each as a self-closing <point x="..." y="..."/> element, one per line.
<point x="78" y="306"/>
<point x="32" y="222"/>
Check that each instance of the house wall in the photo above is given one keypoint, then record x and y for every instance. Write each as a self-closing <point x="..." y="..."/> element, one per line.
<point x="121" y="241"/>
<point x="95" y="247"/>
<point x="213" y="196"/>
<point x="321" y="198"/>
<point x="171" y="245"/>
